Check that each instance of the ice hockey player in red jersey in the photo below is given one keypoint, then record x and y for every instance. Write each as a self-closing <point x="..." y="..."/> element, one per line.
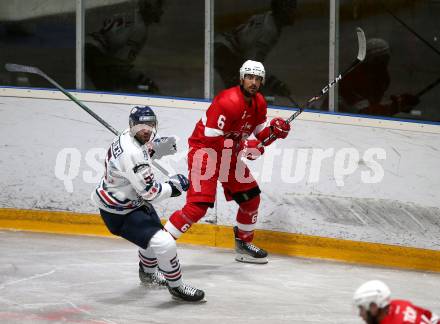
<point x="217" y="145"/>
<point x="373" y="299"/>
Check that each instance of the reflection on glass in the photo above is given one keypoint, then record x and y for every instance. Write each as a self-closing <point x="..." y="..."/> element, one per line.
<point x="401" y="73"/>
<point x="277" y="33"/>
<point x="111" y="50"/>
<point x="146" y="46"/>
<point x="253" y="40"/>
<point x="362" y="90"/>
<point x="38" y="35"/>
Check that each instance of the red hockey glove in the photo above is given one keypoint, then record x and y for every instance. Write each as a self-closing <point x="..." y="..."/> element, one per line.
<point x="251" y="149"/>
<point x="279" y="127"/>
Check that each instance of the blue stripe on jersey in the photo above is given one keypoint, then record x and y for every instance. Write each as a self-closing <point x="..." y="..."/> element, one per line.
<point x="118" y="208"/>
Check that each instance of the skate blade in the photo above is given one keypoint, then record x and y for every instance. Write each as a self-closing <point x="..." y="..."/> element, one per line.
<point x="248" y="259"/>
<point x="182" y="301"/>
<point x="152" y="286"/>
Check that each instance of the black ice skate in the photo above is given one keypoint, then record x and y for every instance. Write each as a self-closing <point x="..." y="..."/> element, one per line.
<point x="155" y="279"/>
<point x="187" y="293"/>
<point x="247" y="252"/>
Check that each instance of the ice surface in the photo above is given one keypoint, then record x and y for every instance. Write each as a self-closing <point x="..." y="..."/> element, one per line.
<point x="48" y="278"/>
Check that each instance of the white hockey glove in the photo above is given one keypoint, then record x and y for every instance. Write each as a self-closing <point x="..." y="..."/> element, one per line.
<point x="163" y="146"/>
<point x="179" y="183"/>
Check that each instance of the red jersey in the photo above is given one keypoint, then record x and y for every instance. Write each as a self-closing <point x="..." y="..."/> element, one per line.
<point x="230" y="117"/>
<point x="404" y="312"/>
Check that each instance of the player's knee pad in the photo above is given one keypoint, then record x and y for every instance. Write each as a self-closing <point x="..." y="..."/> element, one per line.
<point x="249" y="207"/>
<point x="241" y="197"/>
<point x="180" y="221"/>
<point x="162" y="243"/>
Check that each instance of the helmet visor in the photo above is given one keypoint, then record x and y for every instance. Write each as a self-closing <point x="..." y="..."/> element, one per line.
<point x="144" y="132"/>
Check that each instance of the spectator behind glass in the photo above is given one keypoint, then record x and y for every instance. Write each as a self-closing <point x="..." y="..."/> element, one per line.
<point x="253" y="40"/>
<point x="111" y="51"/>
<point x="362" y="90"/>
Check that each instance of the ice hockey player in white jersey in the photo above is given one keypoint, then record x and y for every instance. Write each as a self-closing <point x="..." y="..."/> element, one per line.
<point x="124" y="197"/>
<point x="253" y="40"/>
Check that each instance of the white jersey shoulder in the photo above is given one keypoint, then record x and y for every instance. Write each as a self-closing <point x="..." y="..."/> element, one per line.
<point x="128" y="178"/>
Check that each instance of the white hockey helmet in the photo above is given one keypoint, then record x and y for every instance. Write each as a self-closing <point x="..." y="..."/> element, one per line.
<point x="254" y="68"/>
<point x="373" y="291"/>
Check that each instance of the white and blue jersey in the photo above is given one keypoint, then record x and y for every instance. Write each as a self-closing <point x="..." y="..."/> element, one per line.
<point x="128" y="180"/>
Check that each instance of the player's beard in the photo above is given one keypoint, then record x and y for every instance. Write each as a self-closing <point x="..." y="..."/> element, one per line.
<point x="372" y="319"/>
<point x="247" y="93"/>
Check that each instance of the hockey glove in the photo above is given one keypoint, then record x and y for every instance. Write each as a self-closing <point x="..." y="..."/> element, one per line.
<point x="251" y="149"/>
<point x="179" y="183"/>
<point x="163" y="146"/>
<point x="279" y="127"/>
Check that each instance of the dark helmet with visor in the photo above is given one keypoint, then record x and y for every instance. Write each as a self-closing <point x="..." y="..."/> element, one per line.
<point x="143" y="118"/>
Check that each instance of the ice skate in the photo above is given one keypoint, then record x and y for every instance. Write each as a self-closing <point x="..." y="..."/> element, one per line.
<point x="186" y="293"/>
<point x="248" y="252"/>
<point x="155" y="279"/>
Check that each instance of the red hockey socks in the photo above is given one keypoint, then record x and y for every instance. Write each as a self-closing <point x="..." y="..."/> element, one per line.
<point x="181" y="220"/>
<point x="246" y="219"/>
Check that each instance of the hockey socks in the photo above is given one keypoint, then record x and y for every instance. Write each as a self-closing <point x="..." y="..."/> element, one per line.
<point x="181" y="220"/>
<point x="164" y="247"/>
<point x="246" y="218"/>
<point x="148" y="260"/>
<point x="149" y="273"/>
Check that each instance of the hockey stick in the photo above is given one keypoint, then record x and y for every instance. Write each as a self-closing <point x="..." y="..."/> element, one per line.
<point x="428" y="88"/>
<point x="294" y="103"/>
<point x="34" y="70"/>
<point x="412" y="31"/>
<point x="362" y="50"/>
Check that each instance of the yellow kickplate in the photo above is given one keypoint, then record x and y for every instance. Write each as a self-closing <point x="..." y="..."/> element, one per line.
<point x="222" y="236"/>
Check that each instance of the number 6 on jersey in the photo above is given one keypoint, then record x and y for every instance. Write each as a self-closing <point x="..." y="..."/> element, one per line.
<point x="221" y="121"/>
